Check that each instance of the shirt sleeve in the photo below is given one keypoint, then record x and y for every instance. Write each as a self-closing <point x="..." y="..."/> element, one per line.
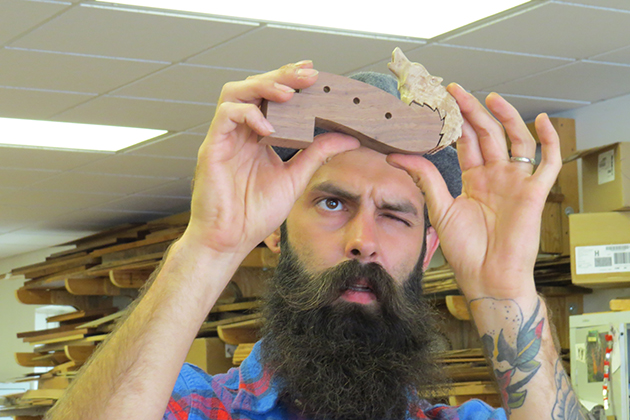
<point x="193" y="397"/>
<point x="470" y="410"/>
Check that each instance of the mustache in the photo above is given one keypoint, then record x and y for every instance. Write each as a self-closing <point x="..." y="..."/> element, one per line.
<point x="324" y="288"/>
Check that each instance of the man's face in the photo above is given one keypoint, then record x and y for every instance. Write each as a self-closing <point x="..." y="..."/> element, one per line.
<point x="347" y="329"/>
<point x="359" y="207"/>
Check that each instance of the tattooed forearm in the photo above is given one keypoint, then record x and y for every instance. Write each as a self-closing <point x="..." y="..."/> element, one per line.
<point x="513" y="349"/>
<point x="566" y="405"/>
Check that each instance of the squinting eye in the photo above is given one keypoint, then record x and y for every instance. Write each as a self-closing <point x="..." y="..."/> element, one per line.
<point x="331" y="204"/>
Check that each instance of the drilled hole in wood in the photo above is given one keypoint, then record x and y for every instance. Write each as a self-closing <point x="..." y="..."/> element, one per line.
<point x="326" y="89"/>
<point x="388" y="115"/>
<point x="357" y="101"/>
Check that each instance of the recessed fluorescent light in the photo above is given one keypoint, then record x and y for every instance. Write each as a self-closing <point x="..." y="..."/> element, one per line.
<point x="416" y="19"/>
<point x="63" y="135"/>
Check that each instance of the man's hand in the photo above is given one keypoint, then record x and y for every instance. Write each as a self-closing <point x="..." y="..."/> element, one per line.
<point x="243" y="191"/>
<point x="490" y="233"/>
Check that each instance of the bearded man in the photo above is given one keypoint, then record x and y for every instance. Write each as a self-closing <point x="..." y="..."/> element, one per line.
<point x="347" y="335"/>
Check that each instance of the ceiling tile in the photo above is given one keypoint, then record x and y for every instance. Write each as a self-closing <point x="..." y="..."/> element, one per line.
<point x="553" y="29"/>
<point x="129" y="112"/>
<point x="18" y="16"/>
<point x="469" y="67"/>
<point x="10" y="250"/>
<point x="98" y="183"/>
<point x="181" y="188"/>
<point x="168" y="205"/>
<point x="18" y="178"/>
<point x="12" y="218"/>
<point x="200" y="129"/>
<point x="55" y="199"/>
<point x="621" y="56"/>
<point x="56" y="160"/>
<point x="183" y="83"/>
<point x="612" y="4"/>
<point x="581" y="81"/>
<point x="179" y="145"/>
<point x="275" y="47"/>
<point x="529" y="108"/>
<point x="36" y="104"/>
<point x="74" y="73"/>
<point x="125" y="164"/>
<point x="118" y="33"/>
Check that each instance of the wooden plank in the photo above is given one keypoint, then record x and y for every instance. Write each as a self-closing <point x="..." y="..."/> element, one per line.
<point x="105" y="319"/>
<point x="142" y="251"/>
<point x="240" y="306"/>
<point x="212" y="325"/>
<point x="54" y="267"/>
<point x="80" y="315"/>
<point x="458" y="307"/>
<point x="619" y="304"/>
<point x="81" y="342"/>
<point x="341" y="104"/>
<point x="130" y="279"/>
<point x="61" y="334"/>
<point x="100" y="286"/>
<point x="47" y="331"/>
<point x="241" y="352"/>
<point x="79" y="354"/>
<point x="33" y="297"/>
<point x="551" y="229"/>
<point x="101" y="270"/>
<point x="43" y="394"/>
<point x="156" y="238"/>
<point x="55" y="280"/>
<point x="35" y="360"/>
<point x="261" y="257"/>
<point x="240" y="332"/>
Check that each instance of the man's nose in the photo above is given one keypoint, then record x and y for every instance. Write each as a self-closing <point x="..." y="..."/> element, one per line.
<point x="361" y="243"/>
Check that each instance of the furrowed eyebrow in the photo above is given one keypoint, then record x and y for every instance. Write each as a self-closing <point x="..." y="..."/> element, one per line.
<point x="330" y="188"/>
<point x="400" y="207"/>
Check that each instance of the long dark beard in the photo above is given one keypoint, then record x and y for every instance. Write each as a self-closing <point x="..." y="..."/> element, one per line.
<point x="340" y="360"/>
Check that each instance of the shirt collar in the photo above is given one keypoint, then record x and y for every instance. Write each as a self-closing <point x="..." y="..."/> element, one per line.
<point x="258" y="391"/>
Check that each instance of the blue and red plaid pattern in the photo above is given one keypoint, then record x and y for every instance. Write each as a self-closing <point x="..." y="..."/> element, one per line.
<point x="248" y="392"/>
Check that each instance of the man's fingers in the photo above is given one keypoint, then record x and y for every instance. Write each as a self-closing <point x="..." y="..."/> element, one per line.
<point x="427" y="177"/>
<point x="523" y="143"/>
<point x="489" y="131"/>
<point x="277" y="85"/>
<point x="551" y="161"/>
<point x="230" y="115"/>
<point x="468" y="150"/>
<point x="324" y="147"/>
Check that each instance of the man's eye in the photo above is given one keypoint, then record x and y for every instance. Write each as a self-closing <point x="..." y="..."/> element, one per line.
<point x="398" y="219"/>
<point x="330" y="204"/>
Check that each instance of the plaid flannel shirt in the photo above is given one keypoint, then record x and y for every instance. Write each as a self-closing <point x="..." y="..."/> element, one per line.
<point x="249" y="392"/>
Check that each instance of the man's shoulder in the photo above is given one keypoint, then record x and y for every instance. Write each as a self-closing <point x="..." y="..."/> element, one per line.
<point x="470" y="410"/>
<point x="198" y="395"/>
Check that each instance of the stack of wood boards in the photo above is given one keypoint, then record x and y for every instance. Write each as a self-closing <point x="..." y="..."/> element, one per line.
<point x="548" y="271"/>
<point x="64" y="349"/>
<point x="99" y="277"/>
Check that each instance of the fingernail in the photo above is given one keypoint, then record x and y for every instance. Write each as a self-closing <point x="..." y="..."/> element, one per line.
<point x="303" y="63"/>
<point x="269" y="127"/>
<point x="306" y="73"/>
<point x="284" y="88"/>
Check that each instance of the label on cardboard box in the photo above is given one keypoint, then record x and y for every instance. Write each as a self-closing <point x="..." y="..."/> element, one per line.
<point x="602" y="259"/>
<point x="606" y="167"/>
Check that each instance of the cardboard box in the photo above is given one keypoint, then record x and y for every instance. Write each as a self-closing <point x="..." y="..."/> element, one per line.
<point x="210" y="355"/>
<point x="606" y="177"/>
<point x="600" y="249"/>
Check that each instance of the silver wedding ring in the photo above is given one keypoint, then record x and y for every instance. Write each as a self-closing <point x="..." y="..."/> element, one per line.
<point x="523" y="159"/>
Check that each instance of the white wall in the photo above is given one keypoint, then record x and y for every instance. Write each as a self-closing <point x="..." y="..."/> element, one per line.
<point x="14" y="316"/>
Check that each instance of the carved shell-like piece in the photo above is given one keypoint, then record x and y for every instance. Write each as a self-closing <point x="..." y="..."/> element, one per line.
<point x="416" y="85"/>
